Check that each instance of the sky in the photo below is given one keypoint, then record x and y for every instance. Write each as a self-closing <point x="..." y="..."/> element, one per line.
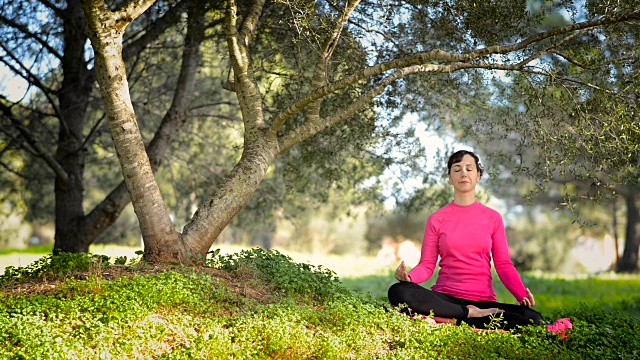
<point x="13" y="86"/>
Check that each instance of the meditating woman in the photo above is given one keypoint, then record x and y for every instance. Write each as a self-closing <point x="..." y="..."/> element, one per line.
<point x="466" y="235"/>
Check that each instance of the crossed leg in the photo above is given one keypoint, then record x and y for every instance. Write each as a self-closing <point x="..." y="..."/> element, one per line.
<point x="420" y="300"/>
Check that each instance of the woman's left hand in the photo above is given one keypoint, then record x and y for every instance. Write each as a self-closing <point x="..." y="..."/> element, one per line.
<point x="529" y="301"/>
<point x="401" y="272"/>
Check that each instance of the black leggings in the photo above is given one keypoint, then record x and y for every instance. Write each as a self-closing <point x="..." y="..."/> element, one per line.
<point x="419" y="300"/>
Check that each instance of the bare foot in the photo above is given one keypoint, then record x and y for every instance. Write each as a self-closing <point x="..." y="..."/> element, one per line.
<point x="441" y="320"/>
<point x="477" y="312"/>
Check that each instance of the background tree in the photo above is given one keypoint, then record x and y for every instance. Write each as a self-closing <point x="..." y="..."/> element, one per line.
<point x="52" y="58"/>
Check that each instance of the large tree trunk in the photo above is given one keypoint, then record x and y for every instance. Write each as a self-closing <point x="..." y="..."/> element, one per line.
<point x="75" y="231"/>
<point x="629" y="261"/>
<point x="105" y="31"/>
<point x="74" y="98"/>
<point x="106" y="213"/>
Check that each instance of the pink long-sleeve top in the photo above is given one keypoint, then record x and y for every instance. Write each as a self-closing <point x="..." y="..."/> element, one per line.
<point x="466" y="238"/>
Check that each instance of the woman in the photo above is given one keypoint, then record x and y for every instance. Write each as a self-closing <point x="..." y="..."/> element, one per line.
<point x="466" y="235"/>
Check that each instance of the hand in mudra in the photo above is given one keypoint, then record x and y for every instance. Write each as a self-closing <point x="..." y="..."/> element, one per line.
<point x="401" y="272"/>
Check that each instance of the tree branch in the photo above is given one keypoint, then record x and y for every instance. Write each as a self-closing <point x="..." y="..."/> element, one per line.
<point x="25" y="30"/>
<point x="217" y="103"/>
<point x="310" y="128"/>
<point x="250" y="22"/>
<point x="26" y="74"/>
<point x="244" y="85"/>
<point x="105" y="213"/>
<point x="31" y="140"/>
<point x="33" y="80"/>
<point x="385" y="36"/>
<point x="238" y="56"/>
<point x="138" y="42"/>
<point x="89" y="138"/>
<point x="440" y="55"/>
<point x="132" y="11"/>
<point x="417" y="59"/>
<point x="561" y="78"/>
<point x="500" y="49"/>
<point x="176" y="116"/>
<point x="550" y="48"/>
<point x="320" y="71"/>
<point x="52" y="7"/>
<point x="571" y="60"/>
<point x="14" y="172"/>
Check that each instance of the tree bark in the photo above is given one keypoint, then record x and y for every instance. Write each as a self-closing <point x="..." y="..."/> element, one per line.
<point x="628" y="263"/>
<point x="105" y="31"/>
<point x="615" y="230"/>
<point x="75" y="231"/>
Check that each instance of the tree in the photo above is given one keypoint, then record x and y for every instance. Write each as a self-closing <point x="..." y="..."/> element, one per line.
<point x="66" y="96"/>
<point x="268" y="131"/>
<point x="174" y="116"/>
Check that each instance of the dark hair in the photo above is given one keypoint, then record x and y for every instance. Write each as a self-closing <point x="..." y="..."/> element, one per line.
<point x="457" y="156"/>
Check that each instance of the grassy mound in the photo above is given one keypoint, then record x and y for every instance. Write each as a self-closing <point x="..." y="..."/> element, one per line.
<point x="253" y="304"/>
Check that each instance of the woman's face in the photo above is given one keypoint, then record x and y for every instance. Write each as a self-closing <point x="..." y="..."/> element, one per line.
<point x="464" y="175"/>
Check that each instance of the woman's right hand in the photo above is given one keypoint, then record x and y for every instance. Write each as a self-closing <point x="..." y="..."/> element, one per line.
<point x="529" y="301"/>
<point x="401" y="273"/>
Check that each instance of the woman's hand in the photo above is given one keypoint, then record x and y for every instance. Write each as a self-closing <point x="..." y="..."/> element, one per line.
<point x="529" y="301"/>
<point x="401" y="272"/>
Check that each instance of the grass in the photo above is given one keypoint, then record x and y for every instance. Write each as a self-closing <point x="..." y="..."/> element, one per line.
<point x="36" y="249"/>
<point x="256" y="304"/>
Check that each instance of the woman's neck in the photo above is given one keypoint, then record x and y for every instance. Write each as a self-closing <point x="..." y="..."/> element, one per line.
<point x="464" y="199"/>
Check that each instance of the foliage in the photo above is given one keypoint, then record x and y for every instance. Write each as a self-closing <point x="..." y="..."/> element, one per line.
<point x="56" y="267"/>
<point x="36" y="249"/>
<point x="279" y="269"/>
<point x="604" y="334"/>
<point x="542" y="241"/>
<point x="376" y="33"/>
<point x="209" y="143"/>
<point x="185" y="313"/>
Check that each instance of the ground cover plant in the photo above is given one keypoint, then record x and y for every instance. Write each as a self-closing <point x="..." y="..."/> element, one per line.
<point x="262" y="304"/>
